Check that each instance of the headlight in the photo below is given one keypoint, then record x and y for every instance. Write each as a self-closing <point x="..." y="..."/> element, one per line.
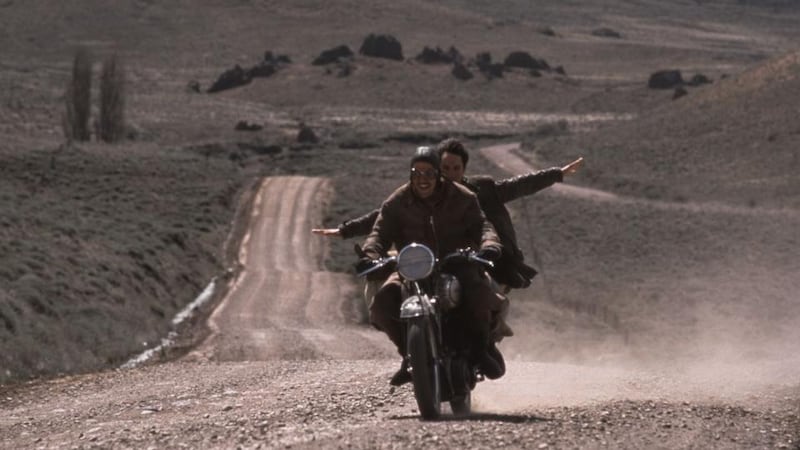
<point x="448" y="291"/>
<point x="415" y="262"/>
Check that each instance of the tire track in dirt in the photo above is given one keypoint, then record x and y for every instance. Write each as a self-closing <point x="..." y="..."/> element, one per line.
<point x="284" y="305"/>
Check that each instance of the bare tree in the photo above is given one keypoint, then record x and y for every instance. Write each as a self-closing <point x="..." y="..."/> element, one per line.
<point x="112" y="100"/>
<point x="78" y="98"/>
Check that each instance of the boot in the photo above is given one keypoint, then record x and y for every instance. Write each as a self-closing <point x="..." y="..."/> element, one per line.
<point x="484" y="360"/>
<point x="402" y="376"/>
<point x="489" y="367"/>
<point x="495" y="354"/>
<point x="499" y="326"/>
<point x="501" y="330"/>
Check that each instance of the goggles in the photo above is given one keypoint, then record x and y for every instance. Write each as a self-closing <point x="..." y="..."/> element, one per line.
<point x="429" y="174"/>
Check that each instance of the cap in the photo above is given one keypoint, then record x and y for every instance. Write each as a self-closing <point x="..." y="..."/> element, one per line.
<point x="428" y="155"/>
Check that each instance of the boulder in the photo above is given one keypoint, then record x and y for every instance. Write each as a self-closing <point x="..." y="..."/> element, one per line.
<point x="262" y="70"/>
<point x="230" y="79"/>
<point x="525" y="60"/>
<point x="547" y="31"/>
<point x="306" y="135"/>
<point x="276" y="59"/>
<point x="439" y="56"/>
<point x="483" y="59"/>
<point x="665" y="79"/>
<point x="484" y="62"/>
<point x="244" y="125"/>
<point x="332" y="55"/>
<point x="679" y="92"/>
<point x="698" y="79"/>
<point x="606" y="32"/>
<point x="461" y="72"/>
<point x="382" y="46"/>
<point x="193" y="86"/>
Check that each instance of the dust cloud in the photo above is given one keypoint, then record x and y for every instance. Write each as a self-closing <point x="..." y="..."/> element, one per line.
<point x="718" y="336"/>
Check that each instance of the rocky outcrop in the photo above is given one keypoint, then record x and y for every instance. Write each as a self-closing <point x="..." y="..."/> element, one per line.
<point x="333" y="55"/>
<point x="244" y="125"/>
<point x="491" y="70"/>
<point x="382" y="46"/>
<point x="230" y="79"/>
<point x="461" y="72"/>
<point x="238" y="76"/>
<point x="699" y="80"/>
<point x="525" y="61"/>
<point x="439" y="56"/>
<point x="306" y="135"/>
<point x="665" y="79"/>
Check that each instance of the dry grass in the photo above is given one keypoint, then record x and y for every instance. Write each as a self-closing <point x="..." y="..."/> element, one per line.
<point x="79" y="247"/>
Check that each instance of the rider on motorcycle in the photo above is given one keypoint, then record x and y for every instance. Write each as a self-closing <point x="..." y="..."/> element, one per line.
<point x="444" y="216"/>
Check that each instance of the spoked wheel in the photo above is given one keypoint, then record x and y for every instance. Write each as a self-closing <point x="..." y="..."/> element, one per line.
<point x="461" y="403"/>
<point x="424" y="371"/>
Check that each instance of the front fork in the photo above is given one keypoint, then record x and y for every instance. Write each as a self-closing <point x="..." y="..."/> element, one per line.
<point x="419" y="307"/>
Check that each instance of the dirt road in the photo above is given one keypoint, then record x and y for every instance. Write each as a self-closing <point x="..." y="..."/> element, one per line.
<point x="287" y="365"/>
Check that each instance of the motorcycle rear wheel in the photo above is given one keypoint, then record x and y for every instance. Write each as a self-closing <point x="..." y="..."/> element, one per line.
<point x="424" y="370"/>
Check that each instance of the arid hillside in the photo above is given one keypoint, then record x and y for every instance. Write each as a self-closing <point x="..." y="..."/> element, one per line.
<point x="665" y="311"/>
<point x="735" y="141"/>
<point x="102" y="245"/>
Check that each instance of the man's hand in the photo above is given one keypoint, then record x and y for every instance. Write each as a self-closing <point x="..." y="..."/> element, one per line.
<point x="572" y="167"/>
<point x="364" y="263"/>
<point x="326" y="231"/>
<point x="489" y="253"/>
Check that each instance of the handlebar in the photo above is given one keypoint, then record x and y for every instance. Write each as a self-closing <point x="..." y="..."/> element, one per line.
<point x="461" y="254"/>
<point x="378" y="264"/>
<point x="469" y="255"/>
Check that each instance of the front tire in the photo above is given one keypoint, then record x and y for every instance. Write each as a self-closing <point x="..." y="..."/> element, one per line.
<point x="460" y="380"/>
<point x="461" y="405"/>
<point x="424" y="370"/>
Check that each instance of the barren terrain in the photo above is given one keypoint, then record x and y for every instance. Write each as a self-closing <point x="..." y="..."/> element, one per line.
<point x="665" y="312"/>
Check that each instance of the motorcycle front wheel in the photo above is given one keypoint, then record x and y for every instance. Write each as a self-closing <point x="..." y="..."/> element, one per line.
<point x="461" y="403"/>
<point x="424" y="370"/>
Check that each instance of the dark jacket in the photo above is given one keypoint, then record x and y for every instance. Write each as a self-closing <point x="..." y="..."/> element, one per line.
<point x="493" y="195"/>
<point x="360" y="226"/>
<point x="449" y="220"/>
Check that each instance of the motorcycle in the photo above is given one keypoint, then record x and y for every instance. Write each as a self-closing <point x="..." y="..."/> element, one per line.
<point x="437" y="353"/>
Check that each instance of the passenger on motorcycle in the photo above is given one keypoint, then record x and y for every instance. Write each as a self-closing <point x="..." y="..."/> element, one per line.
<point x="445" y="216"/>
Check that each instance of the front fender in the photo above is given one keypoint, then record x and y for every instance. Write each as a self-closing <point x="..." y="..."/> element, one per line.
<point x="412" y="307"/>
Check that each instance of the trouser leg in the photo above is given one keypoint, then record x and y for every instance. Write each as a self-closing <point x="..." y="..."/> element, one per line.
<point x="384" y="311"/>
<point x="481" y="303"/>
<point x="500" y="327"/>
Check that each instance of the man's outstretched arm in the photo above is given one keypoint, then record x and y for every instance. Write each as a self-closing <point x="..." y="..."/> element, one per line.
<point x="360" y="226"/>
<point x="531" y="183"/>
